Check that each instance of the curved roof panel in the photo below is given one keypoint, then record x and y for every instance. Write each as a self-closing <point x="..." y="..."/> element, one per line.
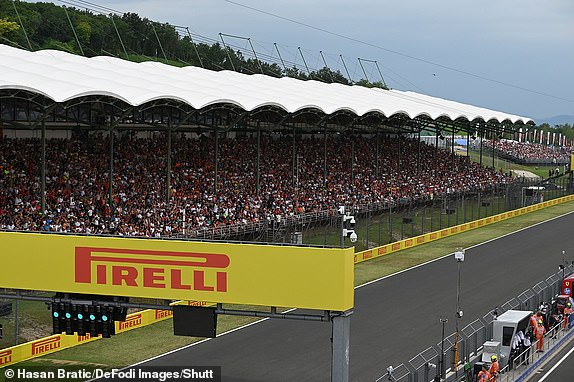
<point x="62" y="76"/>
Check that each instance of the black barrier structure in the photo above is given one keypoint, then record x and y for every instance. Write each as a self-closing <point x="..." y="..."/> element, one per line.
<point x="474" y="335"/>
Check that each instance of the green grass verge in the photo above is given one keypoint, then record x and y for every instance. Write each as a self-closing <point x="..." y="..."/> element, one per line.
<point x="133" y="346"/>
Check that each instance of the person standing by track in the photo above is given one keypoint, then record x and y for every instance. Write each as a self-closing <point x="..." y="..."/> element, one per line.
<point x="540" y="331"/>
<point x="494" y="368"/>
<point x="567" y="312"/>
<point x="483" y="375"/>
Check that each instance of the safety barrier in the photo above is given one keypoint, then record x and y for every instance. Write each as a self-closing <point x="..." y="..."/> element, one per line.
<point x="432" y="236"/>
<point x="57" y="342"/>
<point x="425" y="365"/>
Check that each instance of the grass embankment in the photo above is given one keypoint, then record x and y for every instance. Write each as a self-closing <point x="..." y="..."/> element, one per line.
<point x="131" y="347"/>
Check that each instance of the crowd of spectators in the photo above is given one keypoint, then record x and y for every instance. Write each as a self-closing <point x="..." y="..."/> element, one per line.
<point x="318" y="176"/>
<point x="526" y="152"/>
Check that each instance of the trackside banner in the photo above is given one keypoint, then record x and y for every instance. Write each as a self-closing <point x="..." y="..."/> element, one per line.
<point x="301" y="277"/>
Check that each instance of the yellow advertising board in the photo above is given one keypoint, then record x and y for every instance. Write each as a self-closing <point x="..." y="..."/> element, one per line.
<point x="267" y="275"/>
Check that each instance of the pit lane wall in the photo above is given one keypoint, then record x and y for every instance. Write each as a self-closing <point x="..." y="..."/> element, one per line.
<point x="432" y="236"/>
<point x="51" y="344"/>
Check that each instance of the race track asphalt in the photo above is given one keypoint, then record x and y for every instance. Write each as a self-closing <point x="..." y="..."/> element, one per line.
<point x="395" y="318"/>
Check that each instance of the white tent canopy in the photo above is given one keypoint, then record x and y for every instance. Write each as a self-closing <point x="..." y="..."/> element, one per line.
<point x="62" y="77"/>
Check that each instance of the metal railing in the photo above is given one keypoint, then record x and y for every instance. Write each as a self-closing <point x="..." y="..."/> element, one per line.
<point x="423" y="367"/>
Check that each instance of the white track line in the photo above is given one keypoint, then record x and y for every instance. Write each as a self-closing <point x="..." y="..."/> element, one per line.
<point x="555" y="366"/>
<point x="357" y="287"/>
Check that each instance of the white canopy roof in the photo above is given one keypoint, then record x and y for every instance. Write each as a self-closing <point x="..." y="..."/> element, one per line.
<point x="62" y="76"/>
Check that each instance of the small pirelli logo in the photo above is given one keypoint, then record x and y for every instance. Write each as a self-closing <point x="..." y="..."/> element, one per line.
<point x="151" y="269"/>
<point x="160" y="314"/>
<point x="5" y="357"/>
<point x="84" y="338"/>
<point x="131" y="322"/>
<point x="45" y="345"/>
<point x="197" y="303"/>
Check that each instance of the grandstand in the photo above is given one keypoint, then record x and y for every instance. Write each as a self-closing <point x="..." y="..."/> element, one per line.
<point x="105" y="146"/>
<point x="530" y="153"/>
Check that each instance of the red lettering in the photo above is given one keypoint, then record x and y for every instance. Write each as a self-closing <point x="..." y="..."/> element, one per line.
<point x="222" y="281"/>
<point x="101" y="274"/>
<point x="5" y="357"/>
<point x="127" y="274"/>
<point x="43" y="346"/>
<point x="151" y="275"/>
<point x="199" y="281"/>
<point x="176" y="280"/>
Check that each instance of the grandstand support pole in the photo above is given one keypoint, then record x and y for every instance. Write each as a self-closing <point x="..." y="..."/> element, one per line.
<point x="377" y="153"/>
<point x="227" y="49"/>
<point x="346" y="70"/>
<point x="258" y="169"/>
<point x="43" y="167"/>
<point x="119" y="36"/>
<point x="435" y="151"/>
<point x="352" y="156"/>
<point x="255" y="55"/>
<point x="325" y="157"/>
<point x="194" y="47"/>
<point x="215" y="159"/>
<point x="467" y="144"/>
<point x="280" y="58"/>
<point x="419" y="153"/>
<point x="158" y="42"/>
<point x="342" y="244"/>
<point x="304" y="62"/>
<point x="293" y="161"/>
<point x="452" y="147"/>
<point x="326" y="66"/>
<point x="481" y="136"/>
<point x="73" y="30"/>
<point x="399" y="154"/>
<point x="361" y="64"/>
<point x="111" y="175"/>
<point x="493" y="138"/>
<point x="168" y="169"/>
<point x="340" y="347"/>
<point x="22" y="25"/>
